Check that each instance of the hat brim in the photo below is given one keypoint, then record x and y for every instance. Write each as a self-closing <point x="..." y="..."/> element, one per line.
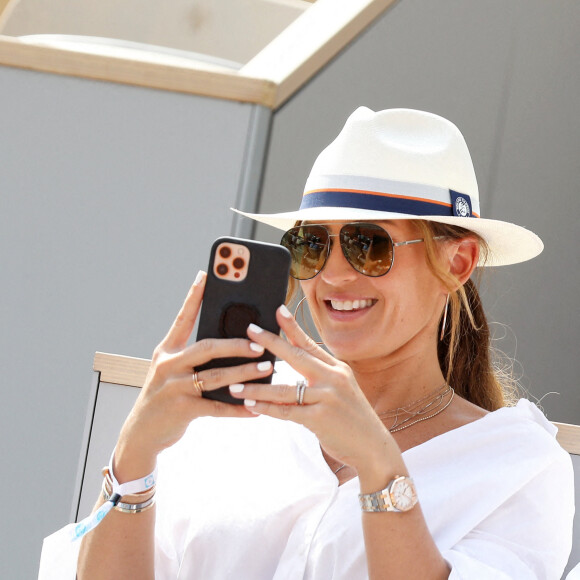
<point x="508" y="243"/>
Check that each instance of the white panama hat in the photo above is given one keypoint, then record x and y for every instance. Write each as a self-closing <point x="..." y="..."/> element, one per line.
<point x="403" y="164"/>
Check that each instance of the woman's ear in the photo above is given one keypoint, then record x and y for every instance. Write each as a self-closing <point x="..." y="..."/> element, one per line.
<point x="463" y="258"/>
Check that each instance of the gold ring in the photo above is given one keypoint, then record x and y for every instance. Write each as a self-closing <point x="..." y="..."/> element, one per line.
<point x="197" y="384"/>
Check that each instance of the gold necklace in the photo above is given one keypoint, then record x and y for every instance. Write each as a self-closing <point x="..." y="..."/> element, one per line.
<point x="424" y="408"/>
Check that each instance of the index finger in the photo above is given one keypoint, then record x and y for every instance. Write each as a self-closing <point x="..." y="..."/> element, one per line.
<point x="182" y="327"/>
<point x="307" y="363"/>
<point x="299" y="338"/>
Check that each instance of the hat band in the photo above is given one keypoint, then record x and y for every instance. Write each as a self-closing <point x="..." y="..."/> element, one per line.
<point x="387" y="203"/>
<point x="436" y="201"/>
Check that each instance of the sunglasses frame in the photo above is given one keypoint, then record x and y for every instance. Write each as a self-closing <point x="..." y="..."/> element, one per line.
<point x="328" y="245"/>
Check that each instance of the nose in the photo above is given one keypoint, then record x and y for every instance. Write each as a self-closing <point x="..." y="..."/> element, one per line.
<point x="337" y="270"/>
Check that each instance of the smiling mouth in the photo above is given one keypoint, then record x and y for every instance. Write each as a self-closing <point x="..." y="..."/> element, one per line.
<point x="351" y="305"/>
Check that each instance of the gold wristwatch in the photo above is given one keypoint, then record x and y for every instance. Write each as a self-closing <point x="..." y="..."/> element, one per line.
<point x="399" y="496"/>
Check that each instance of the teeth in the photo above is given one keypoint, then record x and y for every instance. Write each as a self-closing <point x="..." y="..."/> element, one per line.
<point x="351" y="304"/>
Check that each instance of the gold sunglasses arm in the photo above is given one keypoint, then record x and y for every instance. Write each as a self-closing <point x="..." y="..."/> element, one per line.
<point x="410" y="242"/>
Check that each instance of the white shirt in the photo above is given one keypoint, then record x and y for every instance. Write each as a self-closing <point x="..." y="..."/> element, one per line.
<point x="253" y="499"/>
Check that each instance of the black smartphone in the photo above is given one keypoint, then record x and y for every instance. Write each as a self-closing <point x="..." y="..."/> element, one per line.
<point x="246" y="282"/>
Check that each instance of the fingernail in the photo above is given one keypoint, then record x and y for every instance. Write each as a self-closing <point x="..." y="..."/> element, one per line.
<point x="237" y="388"/>
<point x="255" y="328"/>
<point x="256" y="347"/>
<point x="265" y="365"/>
<point x="249" y="402"/>
<point x="199" y="277"/>
<point x="285" y="312"/>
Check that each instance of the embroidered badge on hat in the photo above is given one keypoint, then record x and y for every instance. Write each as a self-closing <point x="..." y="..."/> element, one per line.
<point x="461" y="204"/>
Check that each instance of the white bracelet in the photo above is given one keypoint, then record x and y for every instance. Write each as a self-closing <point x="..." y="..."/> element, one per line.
<point x="131" y="487"/>
<point x="118" y="491"/>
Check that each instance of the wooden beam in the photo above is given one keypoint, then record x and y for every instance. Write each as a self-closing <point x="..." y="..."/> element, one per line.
<point x="198" y="79"/>
<point x="569" y="437"/>
<point x="121" y="370"/>
<point x="310" y="42"/>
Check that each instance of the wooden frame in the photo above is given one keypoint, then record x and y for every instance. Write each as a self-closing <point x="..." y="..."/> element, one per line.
<point x="311" y="42"/>
<point x="269" y="79"/>
<point x="198" y="79"/>
<point x="124" y="370"/>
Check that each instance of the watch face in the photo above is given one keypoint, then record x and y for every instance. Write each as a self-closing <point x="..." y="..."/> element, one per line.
<point x="403" y="494"/>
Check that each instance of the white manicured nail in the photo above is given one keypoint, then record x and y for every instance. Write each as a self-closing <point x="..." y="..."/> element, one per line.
<point x="265" y="365"/>
<point x="256" y="347"/>
<point x="199" y="277"/>
<point x="237" y="388"/>
<point x="249" y="402"/>
<point x="255" y="328"/>
<point x="285" y="312"/>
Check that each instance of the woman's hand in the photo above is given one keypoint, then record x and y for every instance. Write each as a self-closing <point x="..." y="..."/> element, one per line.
<point x="169" y="400"/>
<point x="334" y="407"/>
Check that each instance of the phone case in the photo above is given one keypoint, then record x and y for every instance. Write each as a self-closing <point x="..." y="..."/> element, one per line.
<point x="229" y="307"/>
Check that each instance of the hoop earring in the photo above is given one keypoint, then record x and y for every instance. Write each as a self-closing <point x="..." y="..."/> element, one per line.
<point x="444" y="323"/>
<point x="298" y="306"/>
<point x="305" y="323"/>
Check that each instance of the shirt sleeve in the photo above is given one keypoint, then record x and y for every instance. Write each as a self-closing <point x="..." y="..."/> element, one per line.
<point x="58" y="560"/>
<point x="528" y="537"/>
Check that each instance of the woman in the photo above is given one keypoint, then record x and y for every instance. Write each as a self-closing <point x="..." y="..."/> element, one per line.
<point x="402" y="416"/>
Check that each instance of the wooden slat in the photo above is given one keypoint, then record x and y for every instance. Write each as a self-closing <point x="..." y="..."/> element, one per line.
<point x="311" y="41"/>
<point x="121" y="370"/>
<point x="199" y="78"/>
<point x="569" y="437"/>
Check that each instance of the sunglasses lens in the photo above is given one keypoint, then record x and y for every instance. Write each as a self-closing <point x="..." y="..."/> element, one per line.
<point x="308" y="247"/>
<point x="368" y="248"/>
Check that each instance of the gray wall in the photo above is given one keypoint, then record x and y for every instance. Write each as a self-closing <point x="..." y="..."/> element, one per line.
<point x="105" y="190"/>
<point x="508" y="74"/>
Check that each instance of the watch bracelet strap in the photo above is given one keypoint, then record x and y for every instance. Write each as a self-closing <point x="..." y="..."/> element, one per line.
<point x="378" y="501"/>
<point x="381" y="501"/>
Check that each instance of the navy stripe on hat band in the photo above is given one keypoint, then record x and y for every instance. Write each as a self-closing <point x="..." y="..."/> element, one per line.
<point x="376" y="202"/>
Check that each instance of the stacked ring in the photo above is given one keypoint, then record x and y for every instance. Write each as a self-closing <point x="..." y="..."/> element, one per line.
<point x="197" y="384"/>
<point x="300" y="388"/>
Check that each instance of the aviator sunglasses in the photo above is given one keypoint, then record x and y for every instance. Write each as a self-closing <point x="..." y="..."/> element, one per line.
<point x="367" y="247"/>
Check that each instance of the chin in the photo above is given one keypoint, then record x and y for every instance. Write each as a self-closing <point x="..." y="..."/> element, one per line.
<point x="344" y="349"/>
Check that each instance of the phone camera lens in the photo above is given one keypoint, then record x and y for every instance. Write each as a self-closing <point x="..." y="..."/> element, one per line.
<point x="225" y="252"/>
<point x="222" y="269"/>
<point x="239" y="263"/>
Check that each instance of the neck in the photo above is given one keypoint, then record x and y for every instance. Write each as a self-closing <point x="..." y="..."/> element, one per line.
<point x="399" y="379"/>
